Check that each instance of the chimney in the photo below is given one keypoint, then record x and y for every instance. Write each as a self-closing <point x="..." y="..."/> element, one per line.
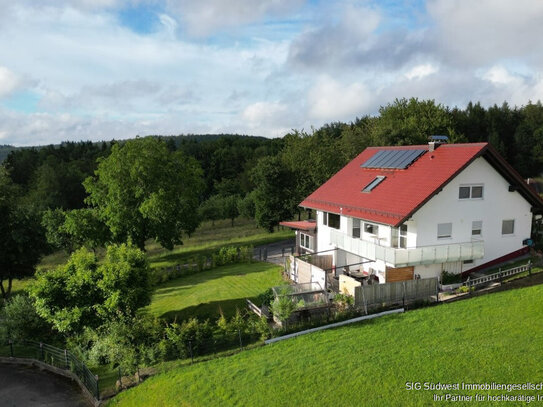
<point x="435" y="141"/>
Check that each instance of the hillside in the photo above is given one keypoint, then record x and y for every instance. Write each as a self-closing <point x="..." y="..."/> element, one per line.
<point x="4" y="151"/>
<point x="494" y="338"/>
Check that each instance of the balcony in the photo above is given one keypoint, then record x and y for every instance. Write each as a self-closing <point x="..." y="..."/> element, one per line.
<point x="446" y="253"/>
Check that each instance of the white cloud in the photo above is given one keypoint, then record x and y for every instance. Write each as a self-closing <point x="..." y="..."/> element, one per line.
<point x="331" y="100"/>
<point x="204" y="17"/>
<point x="479" y="32"/>
<point x="420" y="71"/>
<point x="8" y="81"/>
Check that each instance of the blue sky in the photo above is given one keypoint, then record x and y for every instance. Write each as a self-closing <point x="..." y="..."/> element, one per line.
<point x="102" y="69"/>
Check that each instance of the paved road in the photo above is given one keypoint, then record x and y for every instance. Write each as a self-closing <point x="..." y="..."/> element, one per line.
<point x="27" y="386"/>
<point x="275" y="250"/>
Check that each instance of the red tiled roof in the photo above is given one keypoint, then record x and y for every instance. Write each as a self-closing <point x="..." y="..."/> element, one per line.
<point x="401" y="193"/>
<point x="300" y="225"/>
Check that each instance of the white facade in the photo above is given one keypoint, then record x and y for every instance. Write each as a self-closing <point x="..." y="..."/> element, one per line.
<point x="448" y="233"/>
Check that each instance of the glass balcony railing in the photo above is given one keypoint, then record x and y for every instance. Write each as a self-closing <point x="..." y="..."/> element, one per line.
<point x="446" y="253"/>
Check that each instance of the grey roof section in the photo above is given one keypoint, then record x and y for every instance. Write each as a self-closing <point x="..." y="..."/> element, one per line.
<point x="394" y="159"/>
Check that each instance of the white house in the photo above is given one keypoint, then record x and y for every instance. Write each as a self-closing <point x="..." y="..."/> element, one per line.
<point x="398" y="213"/>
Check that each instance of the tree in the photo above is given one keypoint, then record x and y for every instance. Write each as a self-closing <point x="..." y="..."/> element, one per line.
<point x="84" y="294"/>
<point x="53" y="223"/>
<point x="211" y="209"/>
<point x="143" y="190"/>
<point x="84" y="228"/>
<point x="22" y="239"/>
<point x="125" y="282"/>
<point x="246" y="206"/>
<point x="230" y="207"/>
<point x="275" y="198"/>
<point x="412" y="121"/>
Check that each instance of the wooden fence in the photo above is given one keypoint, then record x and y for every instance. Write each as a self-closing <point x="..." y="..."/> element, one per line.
<point x="499" y="276"/>
<point x="402" y="293"/>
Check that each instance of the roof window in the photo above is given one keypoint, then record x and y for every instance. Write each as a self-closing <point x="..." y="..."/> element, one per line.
<point x="374" y="183"/>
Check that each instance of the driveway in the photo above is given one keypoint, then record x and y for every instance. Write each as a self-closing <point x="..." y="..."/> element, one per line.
<point x="275" y="251"/>
<point x="27" y="386"/>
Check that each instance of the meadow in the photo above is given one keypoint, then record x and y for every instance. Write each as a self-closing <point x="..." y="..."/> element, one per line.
<point x="206" y="293"/>
<point x="492" y="338"/>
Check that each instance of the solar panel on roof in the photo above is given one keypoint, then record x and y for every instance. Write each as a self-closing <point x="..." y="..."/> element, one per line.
<point x="397" y="159"/>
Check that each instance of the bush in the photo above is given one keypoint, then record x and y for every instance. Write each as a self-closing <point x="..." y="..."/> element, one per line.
<point x="343" y="301"/>
<point x="450" y="278"/>
<point x="266" y="298"/>
<point x="199" y="334"/>
<point x="21" y="321"/>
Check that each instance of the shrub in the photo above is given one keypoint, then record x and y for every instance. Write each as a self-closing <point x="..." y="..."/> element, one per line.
<point x="190" y="334"/>
<point x="450" y="278"/>
<point x="266" y="297"/>
<point x="343" y="301"/>
<point x="21" y="321"/>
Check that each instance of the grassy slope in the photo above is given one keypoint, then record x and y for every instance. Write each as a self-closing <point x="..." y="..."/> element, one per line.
<point x="201" y="294"/>
<point x="493" y="338"/>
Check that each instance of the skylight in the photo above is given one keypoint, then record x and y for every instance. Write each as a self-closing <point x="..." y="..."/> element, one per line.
<point x="374" y="183"/>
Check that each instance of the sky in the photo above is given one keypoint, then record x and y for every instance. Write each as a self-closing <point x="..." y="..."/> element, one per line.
<point x="103" y="69"/>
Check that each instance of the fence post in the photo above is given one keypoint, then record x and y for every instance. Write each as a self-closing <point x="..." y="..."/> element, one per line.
<point x="190" y="350"/>
<point x="265" y="253"/>
<point x="240" y="342"/>
<point x="500" y="275"/>
<point x="530" y="268"/>
<point x="66" y="358"/>
<point x="260" y="253"/>
<point x="41" y="351"/>
<point x="97" y="388"/>
<point x="11" y="347"/>
<point x="282" y="252"/>
<point x="364" y="300"/>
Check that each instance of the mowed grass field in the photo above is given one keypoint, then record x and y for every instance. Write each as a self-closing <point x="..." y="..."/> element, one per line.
<point x="493" y="338"/>
<point x="202" y="294"/>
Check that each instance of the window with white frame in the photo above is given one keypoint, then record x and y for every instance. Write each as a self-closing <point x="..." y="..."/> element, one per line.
<point x="444" y="230"/>
<point x="334" y="220"/>
<point x="305" y="241"/>
<point x="508" y="227"/>
<point x="470" y="192"/>
<point x="356" y="227"/>
<point x="371" y="228"/>
<point x="403" y="236"/>
<point x="477" y="228"/>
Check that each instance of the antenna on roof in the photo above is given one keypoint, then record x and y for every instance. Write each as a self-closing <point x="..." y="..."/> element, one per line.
<point x="435" y="141"/>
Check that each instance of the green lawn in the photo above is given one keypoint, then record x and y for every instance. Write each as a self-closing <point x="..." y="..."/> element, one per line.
<point x="203" y="293"/>
<point x="493" y="338"/>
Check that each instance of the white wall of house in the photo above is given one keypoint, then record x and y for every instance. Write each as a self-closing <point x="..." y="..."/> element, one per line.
<point x="496" y="205"/>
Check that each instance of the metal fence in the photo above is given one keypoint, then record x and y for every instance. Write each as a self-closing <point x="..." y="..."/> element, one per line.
<point x="56" y="357"/>
<point x="373" y="296"/>
<point x="499" y="276"/>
